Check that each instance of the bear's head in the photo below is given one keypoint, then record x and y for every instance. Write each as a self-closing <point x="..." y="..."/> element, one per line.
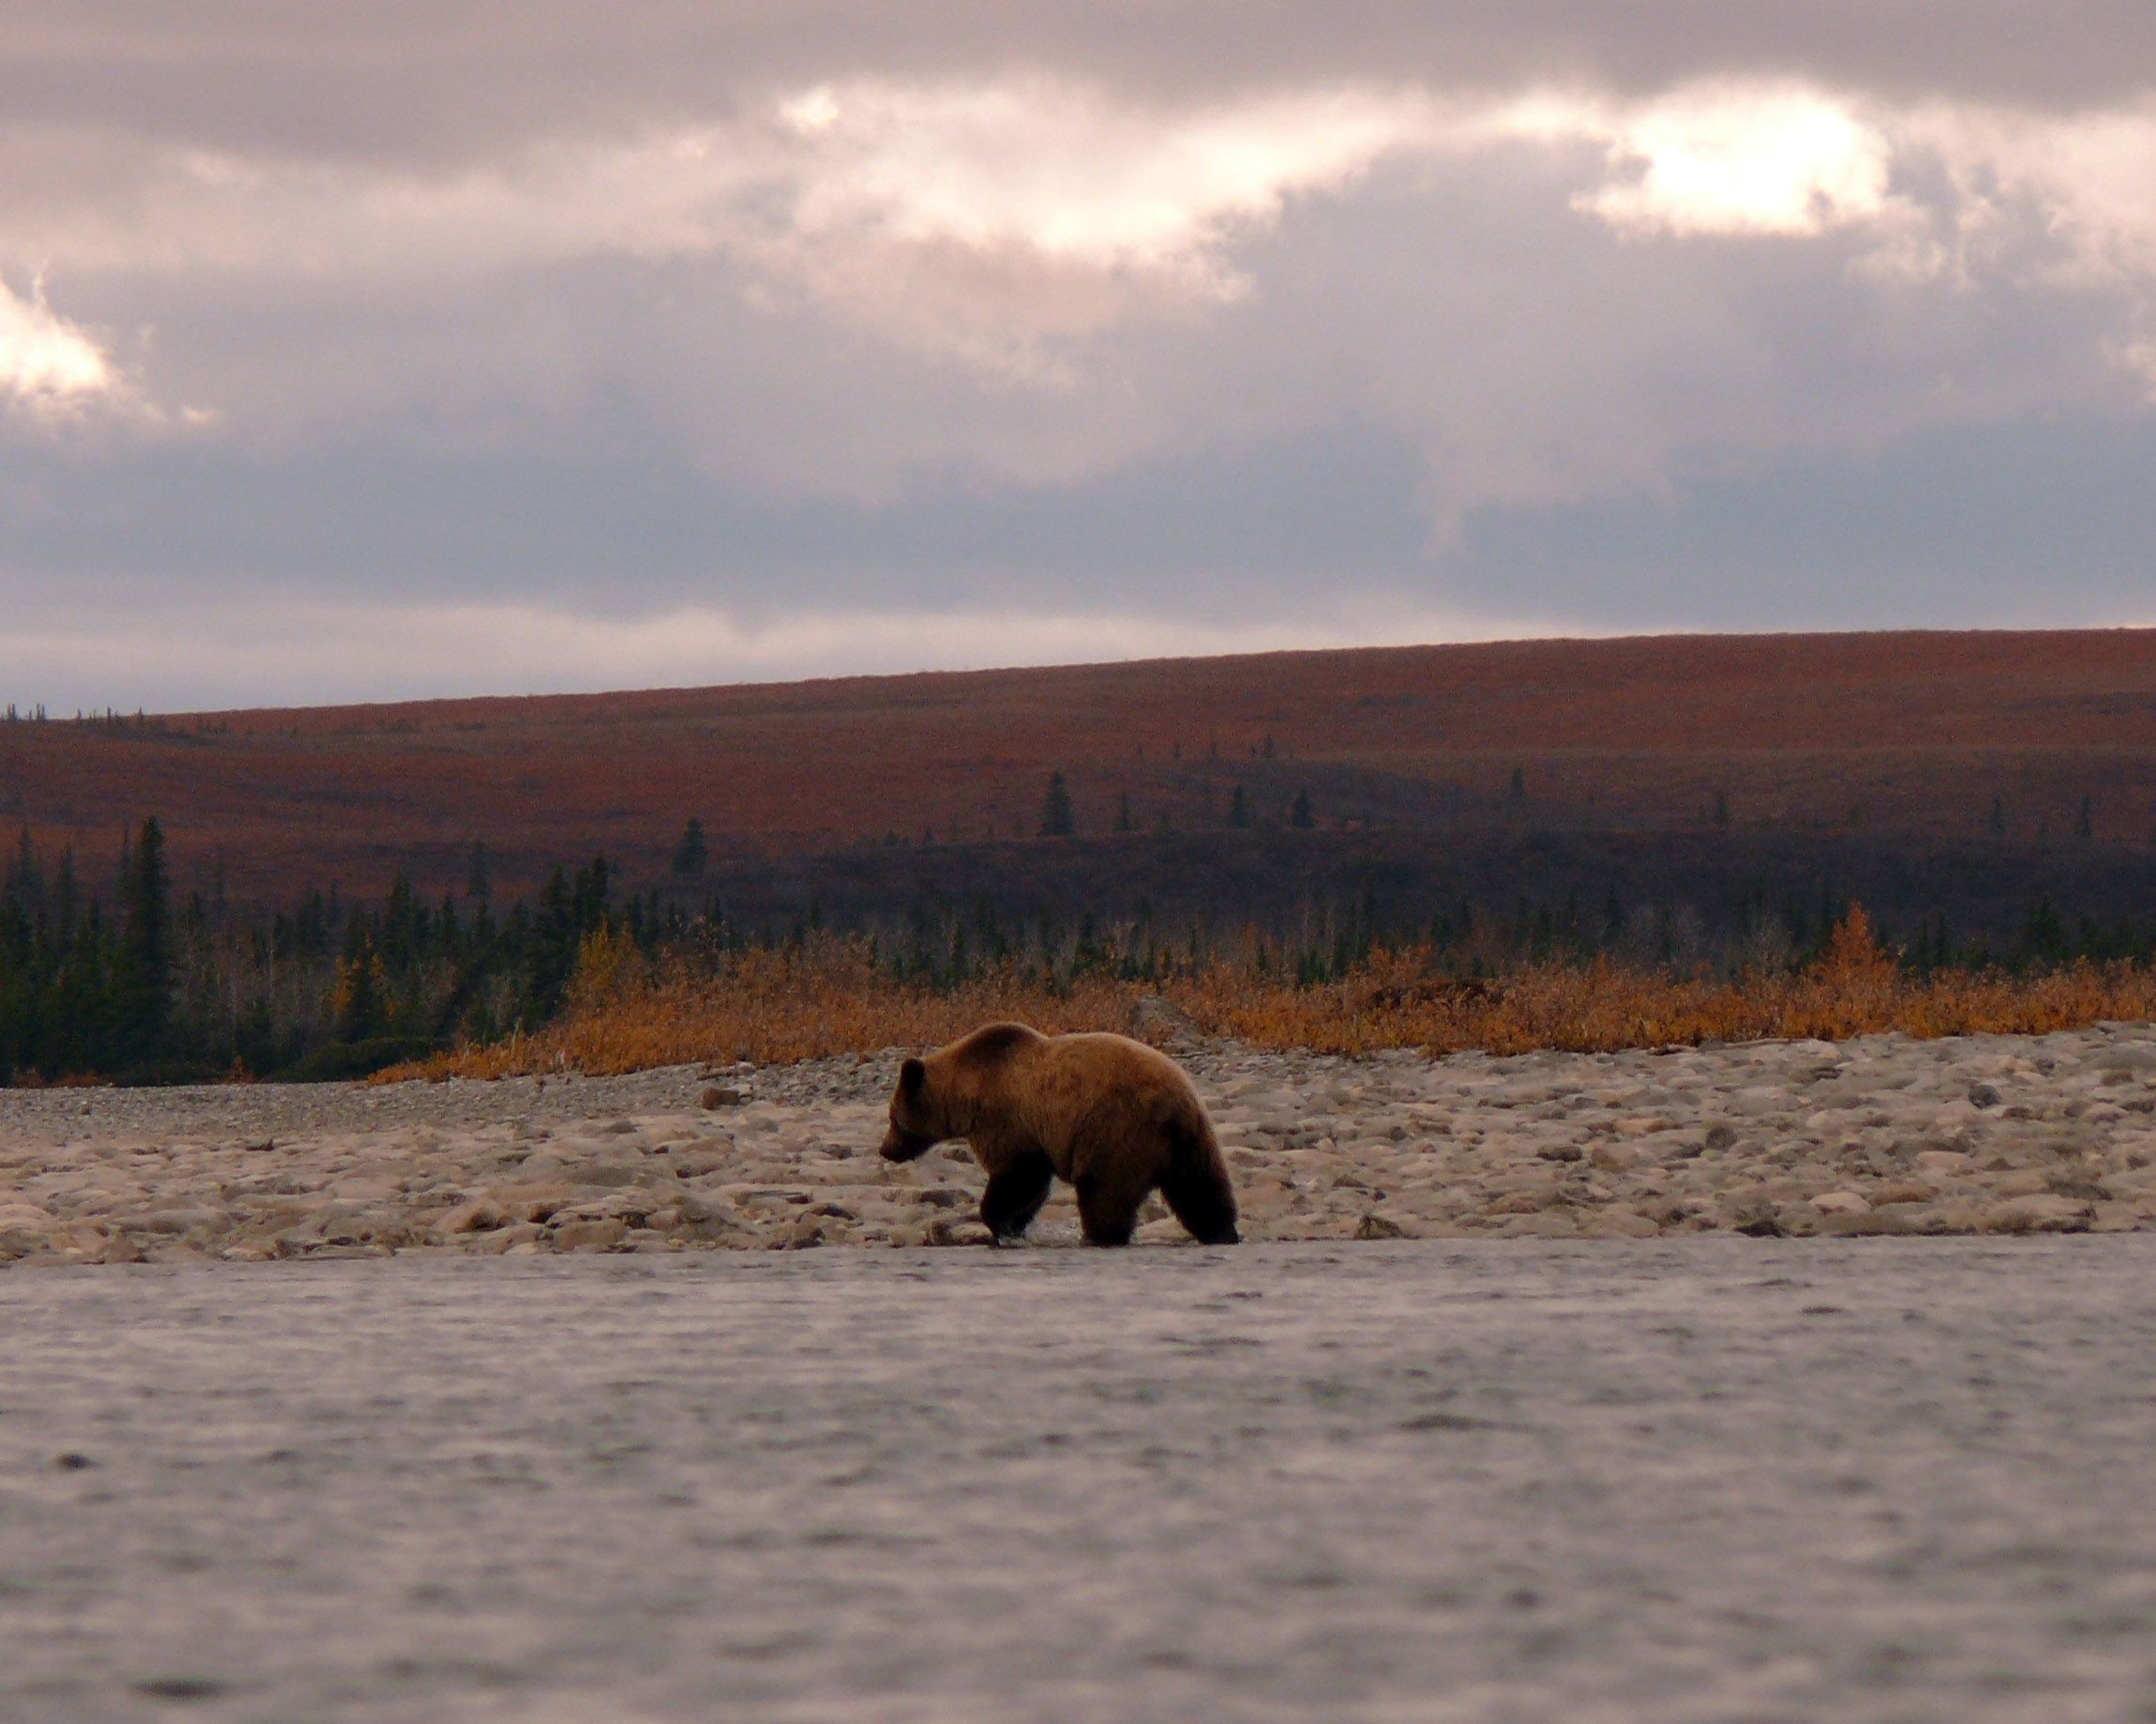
<point x="917" y="1123"/>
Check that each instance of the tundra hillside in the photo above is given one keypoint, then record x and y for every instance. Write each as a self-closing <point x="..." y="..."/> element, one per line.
<point x="1577" y="843"/>
<point x="1965" y="774"/>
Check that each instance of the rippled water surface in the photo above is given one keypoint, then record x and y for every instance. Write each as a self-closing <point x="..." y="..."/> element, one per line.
<point x="1711" y="1478"/>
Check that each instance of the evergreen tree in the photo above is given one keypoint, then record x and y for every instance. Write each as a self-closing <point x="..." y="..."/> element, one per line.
<point x="146" y="952"/>
<point x="552" y="945"/>
<point x="403" y="924"/>
<point x="1056" y="821"/>
<point x="1123" y="821"/>
<point x="477" y="883"/>
<point x="593" y="894"/>
<point x="2044" y="935"/>
<point x="1239" y="808"/>
<point x="360" y="975"/>
<point x="692" y="854"/>
<point x="1299" y="816"/>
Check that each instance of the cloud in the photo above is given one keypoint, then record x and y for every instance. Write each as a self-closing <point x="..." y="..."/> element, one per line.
<point x="1070" y="174"/>
<point x="48" y="365"/>
<point x="977" y="219"/>
<point x="1007" y="221"/>
<point x="872" y="290"/>
<point x="1786" y="160"/>
<point x="444" y="84"/>
<point x="984" y="218"/>
<point x="759" y="312"/>
<point x="1798" y="161"/>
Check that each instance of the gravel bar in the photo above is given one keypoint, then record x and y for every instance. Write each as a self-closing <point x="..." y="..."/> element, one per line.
<point x="1883" y="1135"/>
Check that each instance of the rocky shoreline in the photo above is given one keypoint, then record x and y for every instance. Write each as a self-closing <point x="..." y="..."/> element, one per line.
<point x="1885" y="1135"/>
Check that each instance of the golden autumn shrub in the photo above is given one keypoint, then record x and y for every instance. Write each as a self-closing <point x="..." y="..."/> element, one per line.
<point x="830" y="996"/>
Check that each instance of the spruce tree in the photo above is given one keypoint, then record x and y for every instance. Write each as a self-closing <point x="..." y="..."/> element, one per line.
<point x="1299" y="816"/>
<point x="1056" y="821"/>
<point x="145" y="954"/>
<point x="692" y="852"/>
<point x="360" y="1005"/>
<point x="1239" y="808"/>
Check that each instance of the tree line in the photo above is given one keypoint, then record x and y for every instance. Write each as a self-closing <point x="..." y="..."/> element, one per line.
<point x="135" y="987"/>
<point x="122" y="978"/>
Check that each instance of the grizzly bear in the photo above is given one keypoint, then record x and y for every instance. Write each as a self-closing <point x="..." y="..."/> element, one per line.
<point x="1110" y="1116"/>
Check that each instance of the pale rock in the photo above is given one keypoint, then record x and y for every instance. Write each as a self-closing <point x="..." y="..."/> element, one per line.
<point x="184" y="1221"/>
<point x="480" y="1215"/>
<point x="1843" y="1203"/>
<point x="2045" y="1213"/>
<point x="503" y="1240"/>
<point x="23" y="1227"/>
<point x="953" y="1230"/>
<point x="597" y="1233"/>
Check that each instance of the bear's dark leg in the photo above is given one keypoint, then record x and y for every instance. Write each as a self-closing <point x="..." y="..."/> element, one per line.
<point x="1197" y="1190"/>
<point x="1108" y="1210"/>
<point x="1015" y="1197"/>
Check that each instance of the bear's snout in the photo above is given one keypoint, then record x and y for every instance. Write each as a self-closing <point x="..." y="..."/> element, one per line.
<point x="902" y="1146"/>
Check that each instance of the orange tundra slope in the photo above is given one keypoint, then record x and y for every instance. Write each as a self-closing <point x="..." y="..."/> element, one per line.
<point x="1922" y="735"/>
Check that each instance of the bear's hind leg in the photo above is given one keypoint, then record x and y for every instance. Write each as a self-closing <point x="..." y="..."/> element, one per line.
<point x="1108" y="1209"/>
<point x="1197" y="1190"/>
<point x="1015" y="1197"/>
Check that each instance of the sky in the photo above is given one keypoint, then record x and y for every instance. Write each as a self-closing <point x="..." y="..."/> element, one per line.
<point x="416" y="349"/>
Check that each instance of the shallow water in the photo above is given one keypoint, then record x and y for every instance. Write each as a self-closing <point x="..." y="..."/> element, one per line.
<point x="1707" y="1478"/>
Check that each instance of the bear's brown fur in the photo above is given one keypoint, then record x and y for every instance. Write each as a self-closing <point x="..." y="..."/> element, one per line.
<point x="1112" y="1116"/>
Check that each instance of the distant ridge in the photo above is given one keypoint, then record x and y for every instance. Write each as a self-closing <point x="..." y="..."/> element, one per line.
<point x="1905" y="739"/>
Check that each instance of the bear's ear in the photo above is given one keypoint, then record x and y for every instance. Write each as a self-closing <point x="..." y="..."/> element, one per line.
<point x="911" y="1076"/>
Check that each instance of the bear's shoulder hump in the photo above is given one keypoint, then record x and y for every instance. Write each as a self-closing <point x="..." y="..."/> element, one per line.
<point x="997" y="1041"/>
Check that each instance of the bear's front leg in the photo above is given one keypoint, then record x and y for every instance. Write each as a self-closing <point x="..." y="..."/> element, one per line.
<point x="1014" y="1196"/>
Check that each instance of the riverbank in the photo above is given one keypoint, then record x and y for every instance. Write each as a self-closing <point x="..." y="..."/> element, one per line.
<point x="1882" y="1135"/>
